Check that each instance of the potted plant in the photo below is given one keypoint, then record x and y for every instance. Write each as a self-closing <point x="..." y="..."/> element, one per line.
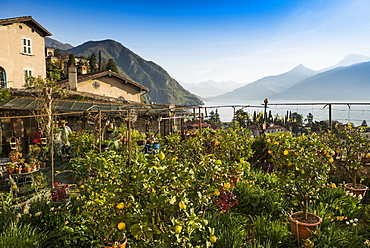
<point x="351" y="148"/>
<point x="14" y="155"/>
<point x="304" y="163"/>
<point x="10" y="168"/>
<point x="18" y="168"/>
<point x="27" y="167"/>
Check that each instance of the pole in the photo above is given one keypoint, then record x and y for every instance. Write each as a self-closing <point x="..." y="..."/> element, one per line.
<point x="330" y="121"/>
<point x="265" y="116"/>
<point x="52" y="154"/>
<point x="129" y="137"/>
<point x="200" y="121"/>
<point x="99" y="130"/>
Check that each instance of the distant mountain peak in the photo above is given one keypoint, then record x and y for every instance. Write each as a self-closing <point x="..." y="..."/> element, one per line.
<point x="49" y="42"/>
<point x="300" y="68"/>
<point x="351" y="59"/>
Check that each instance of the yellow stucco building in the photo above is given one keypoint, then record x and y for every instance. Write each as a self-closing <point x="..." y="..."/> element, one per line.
<point x="22" y="50"/>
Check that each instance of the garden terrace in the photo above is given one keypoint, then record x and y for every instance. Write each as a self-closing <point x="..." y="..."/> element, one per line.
<point x="216" y="188"/>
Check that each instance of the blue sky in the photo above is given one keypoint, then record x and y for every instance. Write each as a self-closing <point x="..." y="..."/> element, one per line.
<point x="239" y="40"/>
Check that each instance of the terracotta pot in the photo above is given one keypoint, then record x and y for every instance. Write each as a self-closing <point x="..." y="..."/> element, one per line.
<point x="10" y="171"/>
<point x="122" y="245"/>
<point x="27" y="169"/>
<point x="303" y="230"/>
<point x="365" y="160"/>
<point x="359" y="190"/>
<point x="19" y="171"/>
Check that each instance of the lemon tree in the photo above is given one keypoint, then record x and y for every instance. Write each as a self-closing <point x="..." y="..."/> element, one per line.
<point x="304" y="162"/>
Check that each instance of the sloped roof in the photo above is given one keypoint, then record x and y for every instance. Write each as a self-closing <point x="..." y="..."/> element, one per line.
<point x="95" y="75"/>
<point x="70" y="105"/>
<point x="25" y="19"/>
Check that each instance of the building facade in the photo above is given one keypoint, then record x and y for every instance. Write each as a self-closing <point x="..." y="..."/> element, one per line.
<point x="105" y="83"/>
<point x="22" y="50"/>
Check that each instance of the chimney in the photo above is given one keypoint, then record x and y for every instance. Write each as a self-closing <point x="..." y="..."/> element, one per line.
<point x="72" y="77"/>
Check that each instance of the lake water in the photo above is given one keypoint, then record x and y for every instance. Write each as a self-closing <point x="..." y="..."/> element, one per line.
<point x="355" y="113"/>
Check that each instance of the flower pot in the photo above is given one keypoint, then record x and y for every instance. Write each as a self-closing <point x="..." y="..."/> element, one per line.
<point x="359" y="190"/>
<point x="19" y="171"/>
<point x="10" y="171"/>
<point x="303" y="230"/>
<point x="365" y="160"/>
<point x="27" y="169"/>
<point x="122" y="245"/>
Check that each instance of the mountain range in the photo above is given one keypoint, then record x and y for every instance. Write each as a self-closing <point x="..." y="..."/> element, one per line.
<point x="163" y="88"/>
<point x="349" y="80"/>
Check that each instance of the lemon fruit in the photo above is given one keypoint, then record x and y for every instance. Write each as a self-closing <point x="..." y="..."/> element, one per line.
<point x="178" y="229"/>
<point x="227" y="186"/>
<point x="213" y="239"/>
<point x="121" y="226"/>
<point x="161" y="155"/>
<point x="120" y="205"/>
<point x="182" y="205"/>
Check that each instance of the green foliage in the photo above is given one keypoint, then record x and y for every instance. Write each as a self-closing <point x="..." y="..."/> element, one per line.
<point x="254" y="200"/>
<point x="111" y="65"/>
<point x="4" y="94"/>
<point x="21" y="235"/>
<point x="335" y="236"/>
<point x="334" y="205"/>
<point x="166" y="200"/>
<point x="92" y="63"/>
<point x="71" y="59"/>
<point x="260" y="155"/>
<point x="304" y="162"/>
<point x="54" y="71"/>
<point x="214" y="119"/>
<point x="268" y="231"/>
<point x="81" y="142"/>
<point x="350" y="146"/>
<point x="230" y="229"/>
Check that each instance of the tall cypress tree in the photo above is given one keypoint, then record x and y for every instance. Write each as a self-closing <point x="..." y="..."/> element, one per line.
<point x="100" y="58"/>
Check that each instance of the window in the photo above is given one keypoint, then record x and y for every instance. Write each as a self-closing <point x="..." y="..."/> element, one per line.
<point x="27" y="46"/>
<point x="2" y="78"/>
<point x="27" y="74"/>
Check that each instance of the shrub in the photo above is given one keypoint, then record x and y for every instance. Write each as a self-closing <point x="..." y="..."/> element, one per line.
<point x="271" y="232"/>
<point x="230" y="229"/>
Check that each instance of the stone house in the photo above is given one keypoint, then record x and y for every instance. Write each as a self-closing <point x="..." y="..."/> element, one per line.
<point x="22" y="50"/>
<point x="104" y="83"/>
